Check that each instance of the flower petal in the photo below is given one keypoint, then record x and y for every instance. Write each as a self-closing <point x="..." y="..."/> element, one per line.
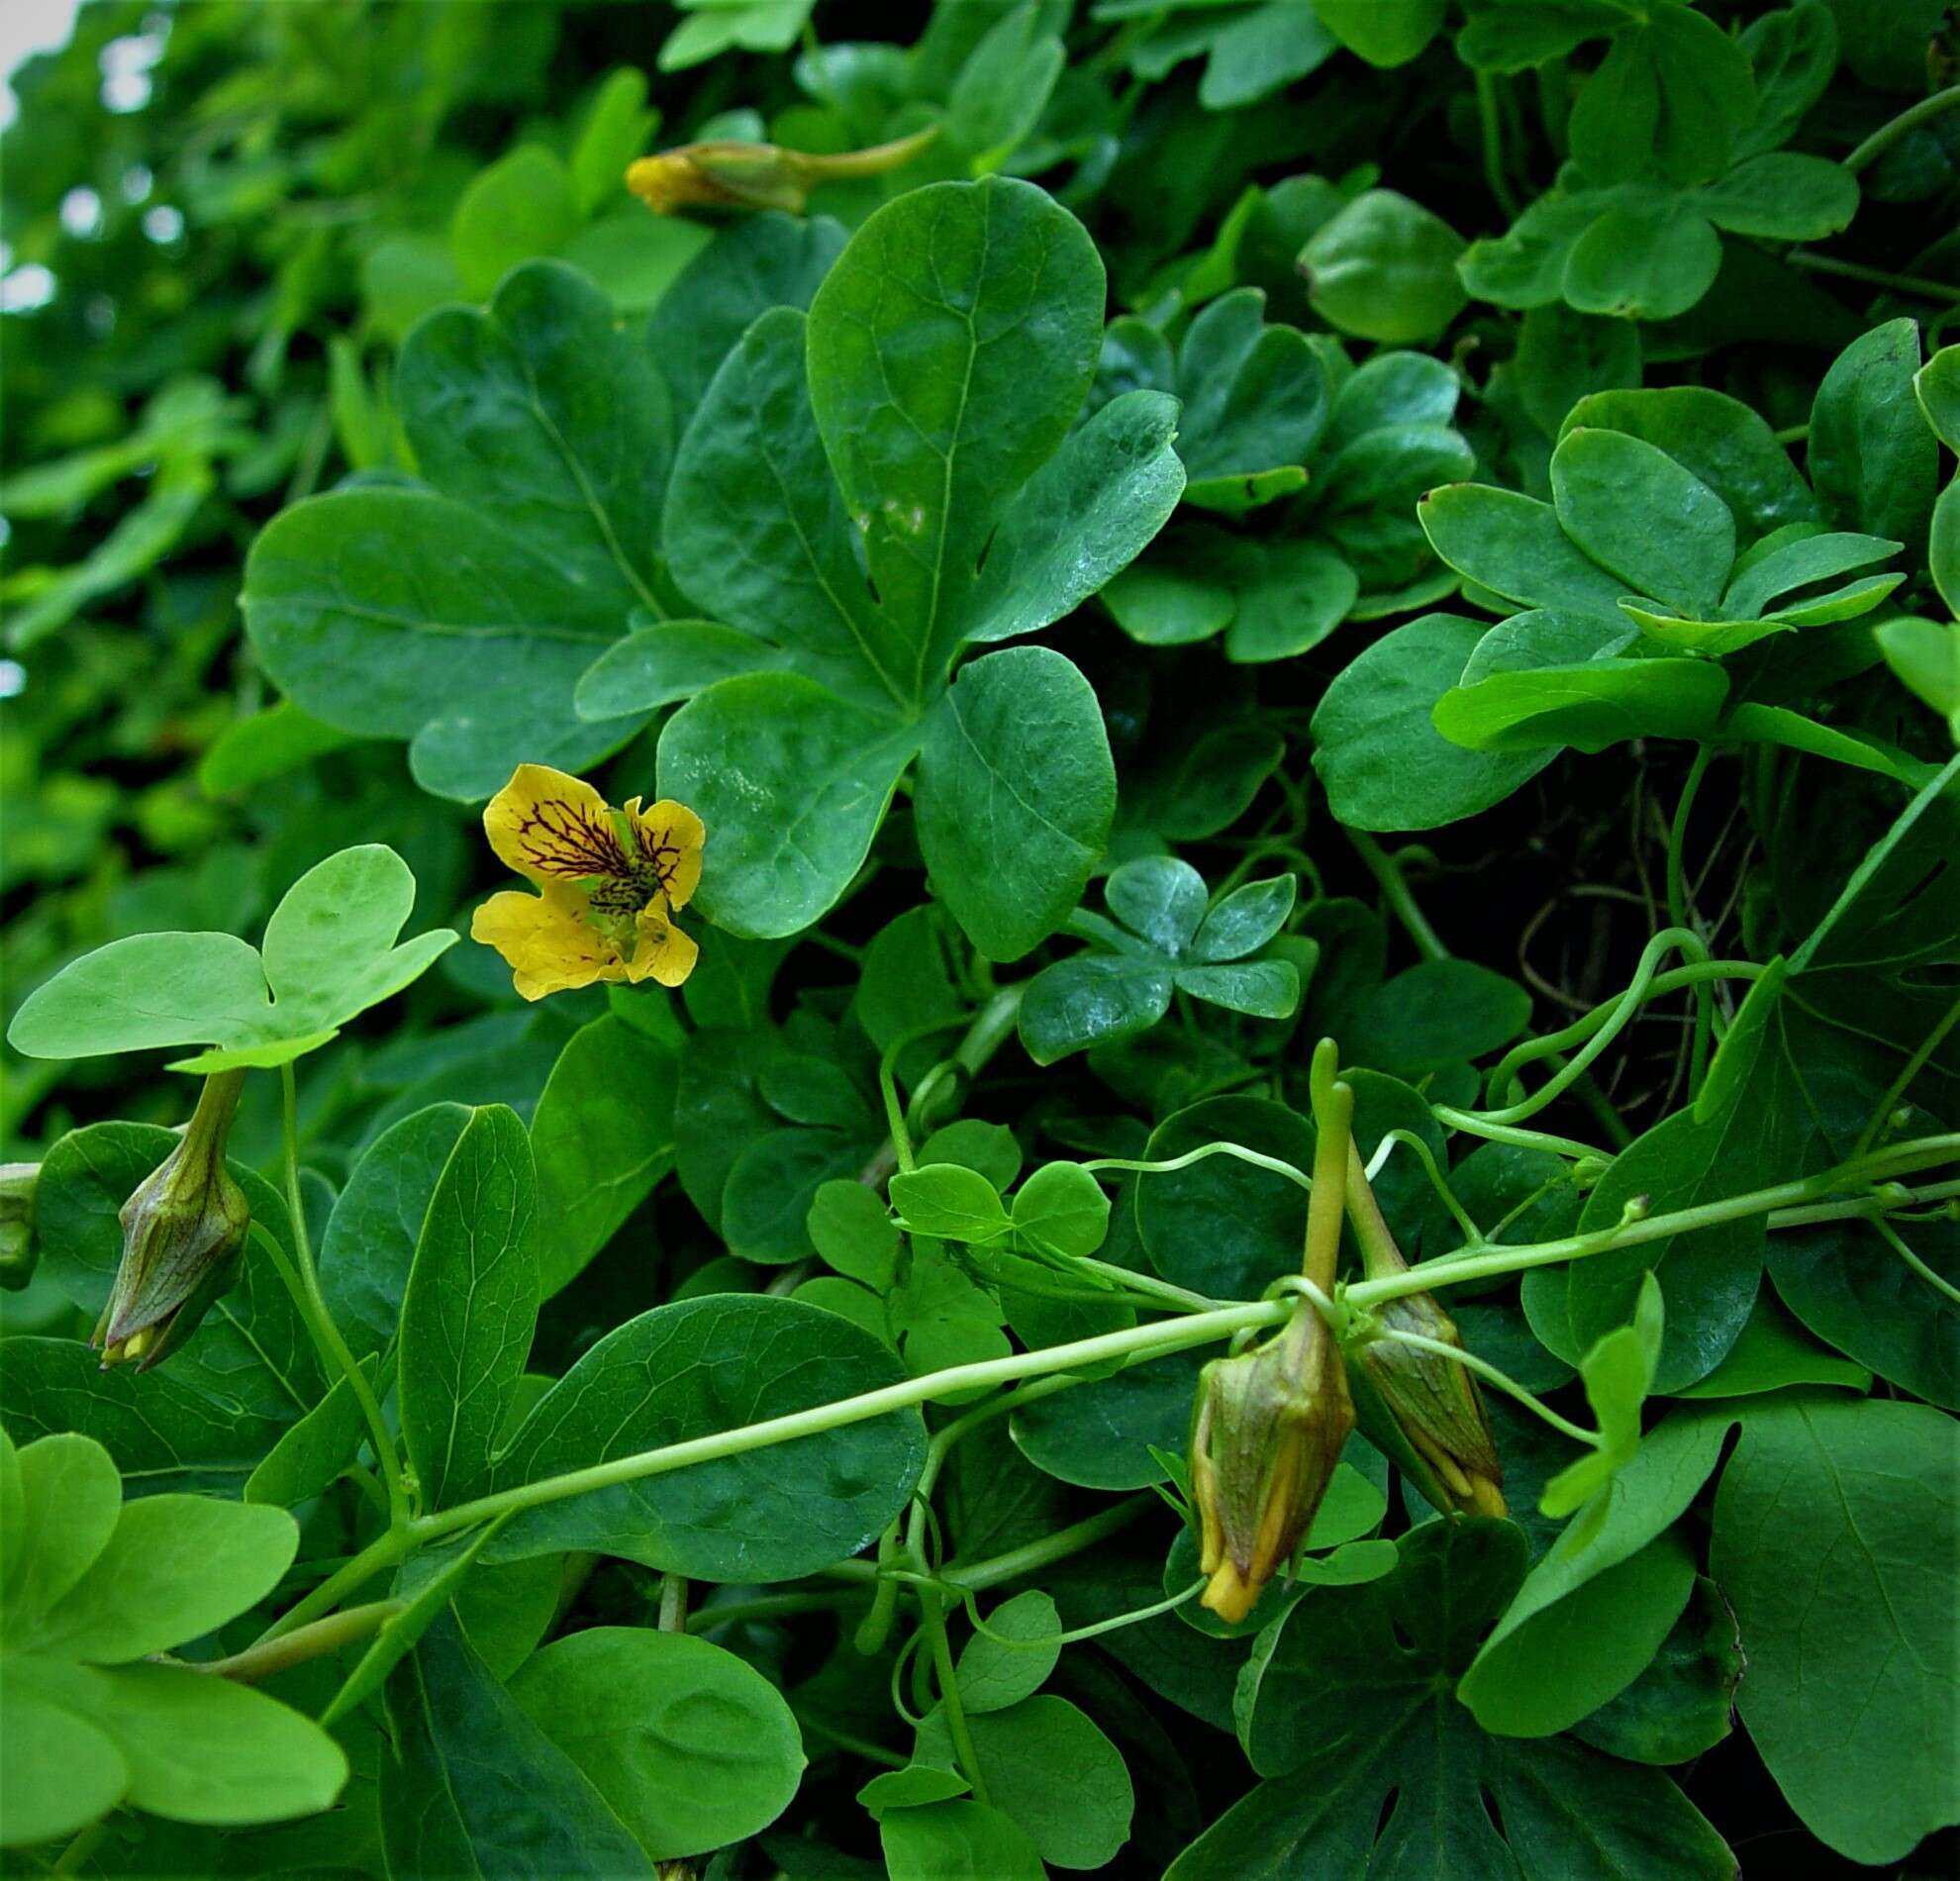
<point x="552" y="828"/>
<point x="550" y="950"/>
<point x="671" y="835"/>
<point x="664" y="952"/>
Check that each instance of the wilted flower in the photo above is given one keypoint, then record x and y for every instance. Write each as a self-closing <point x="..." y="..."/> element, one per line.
<point x="609" y="881"/>
<point x="1268" y="1430"/>
<point x="1433" y="1400"/>
<point x="722" y="174"/>
<point x="17" y="1250"/>
<point x="182" y="1230"/>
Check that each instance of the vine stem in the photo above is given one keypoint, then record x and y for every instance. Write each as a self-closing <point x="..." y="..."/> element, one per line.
<point x="1429" y="945"/>
<point x="319" y="1316"/>
<point x="1131" y="1346"/>
<point x="1917" y="285"/>
<point x="1677" y="908"/>
<point x="1886" y="135"/>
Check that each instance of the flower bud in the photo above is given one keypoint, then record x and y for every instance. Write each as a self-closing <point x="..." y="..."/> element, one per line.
<point x="722" y="174"/>
<point x="1433" y="1400"/>
<point x="182" y="1230"/>
<point x="17" y="1248"/>
<point x="1266" y="1436"/>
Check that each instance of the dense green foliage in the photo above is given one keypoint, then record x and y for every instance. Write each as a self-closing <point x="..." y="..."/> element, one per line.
<point x="1427" y="525"/>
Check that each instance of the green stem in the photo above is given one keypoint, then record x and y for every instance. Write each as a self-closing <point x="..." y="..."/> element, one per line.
<point x="1913" y="1261"/>
<point x="1916" y="285"/>
<point x="933" y="1620"/>
<point x="769" y="1607"/>
<point x="1597" y="1030"/>
<point x="1886" y="135"/>
<point x="1906" y="1073"/>
<point x="1291" y="1171"/>
<point x="344" y="1629"/>
<point x="1396" y="892"/>
<point x="1677" y="910"/>
<point x="1131" y="1344"/>
<point x="1058" y="1546"/>
<point x="1486" y="111"/>
<point x="1451" y="1270"/>
<point x="1476" y="1123"/>
<point x="320" y="1319"/>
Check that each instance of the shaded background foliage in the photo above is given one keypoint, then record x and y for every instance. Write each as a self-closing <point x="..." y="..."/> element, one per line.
<point x="243" y="209"/>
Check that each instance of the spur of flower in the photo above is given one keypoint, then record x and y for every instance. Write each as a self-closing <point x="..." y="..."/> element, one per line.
<point x="608" y="884"/>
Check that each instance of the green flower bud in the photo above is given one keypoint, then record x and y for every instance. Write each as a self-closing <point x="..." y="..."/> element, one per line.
<point x="18" y="1252"/>
<point x="1433" y="1400"/>
<point x="1265" y="1437"/>
<point x="182" y="1232"/>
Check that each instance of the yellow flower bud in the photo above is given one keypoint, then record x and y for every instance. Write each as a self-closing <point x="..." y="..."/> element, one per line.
<point x="1267" y="1434"/>
<point x="1433" y="1400"/>
<point x="182" y="1230"/>
<point x="722" y="174"/>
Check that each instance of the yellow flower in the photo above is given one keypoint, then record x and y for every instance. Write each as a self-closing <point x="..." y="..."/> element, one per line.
<point x="608" y="881"/>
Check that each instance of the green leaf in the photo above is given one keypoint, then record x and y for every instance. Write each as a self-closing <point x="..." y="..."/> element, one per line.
<point x="755" y="530"/>
<point x="313" y="1452"/>
<point x="1870" y="458"/>
<point x="1050" y="1769"/>
<point x="1255" y="399"/>
<point x="541" y="411"/>
<point x="792" y="783"/>
<point x="993" y="1675"/>
<point x="615" y="132"/>
<point x="471" y="1787"/>
<point x="1003" y="88"/>
<point x="1438" y="1013"/>
<point x="955" y="1841"/>
<point x="1385" y="268"/>
<point x="1062" y="1211"/>
<point x="1603" y="702"/>
<point x="407" y="613"/>
<point x="1781" y="196"/>
<point x="1091" y="998"/>
<point x="950" y="348"/>
<point x="914" y="1786"/>
<point x="1793" y="52"/>
<point x="67" y="1496"/>
<point x="1261" y="989"/>
<point x="1618" y="1373"/>
<point x="1724" y="444"/>
<point x="602" y="1136"/>
<point x="371" y="1236"/>
<point x="1246" y="920"/>
<point x="1845" y="1508"/>
<point x="1160" y="899"/>
<point x="1651" y="261"/>
<point x="758" y="263"/>
<point x="471" y="1307"/>
<point x="1681" y="1705"/>
<point x="694" y="1369"/>
<point x="1081" y="519"/>
<point x="1381" y="760"/>
<point x="1936" y="385"/>
<point x="1401" y="1785"/>
<point x="1016" y="792"/>
<point x="690" y="1746"/>
<point x="1562" y="354"/>
<point x="1103" y="1436"/>
<point x="949" y="1203"/>
<point x="1588" y="1616"/>
<point x="328" y="956"/>
<point x="1219" y="1226"/>
<point x="1514" y="545"/>
<point x="174" y="1568"/>
<point x="522" y="205"/>
<point x="1386" y="33"/>
<point x="1640" y="516"/>
<point x="59" y="1772"/>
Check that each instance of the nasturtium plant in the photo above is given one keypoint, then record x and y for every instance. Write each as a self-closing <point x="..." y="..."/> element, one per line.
<point x="1200" y="1108"/>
